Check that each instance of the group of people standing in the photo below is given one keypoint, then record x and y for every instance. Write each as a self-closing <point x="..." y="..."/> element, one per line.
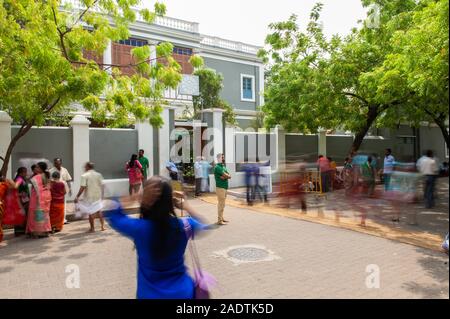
<point x="327" y="169"/>
<point x="366" y="170"/>
<point x="36" y="203"/>
<point x="255" y="182"/>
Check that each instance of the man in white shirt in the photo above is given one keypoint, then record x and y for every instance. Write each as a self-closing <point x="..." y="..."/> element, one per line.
<point x="429" y="169"/>
<point x="91" y="185"/>
<point x="388" y="169"/>
<point x="64" y="177"/>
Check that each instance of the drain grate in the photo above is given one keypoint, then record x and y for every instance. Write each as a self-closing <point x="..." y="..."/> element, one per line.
<point x="248" y="254"/>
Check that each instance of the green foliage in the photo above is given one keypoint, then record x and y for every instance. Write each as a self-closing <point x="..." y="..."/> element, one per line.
<point x="420" y="62"/>
<point x="196" y="61"/>
<point x="44" y="68"/>
<point x="210" y="87"/>
<point x="377" y="75"/>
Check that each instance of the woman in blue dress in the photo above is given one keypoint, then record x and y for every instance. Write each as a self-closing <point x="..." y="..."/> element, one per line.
<point x="160" y="239"/>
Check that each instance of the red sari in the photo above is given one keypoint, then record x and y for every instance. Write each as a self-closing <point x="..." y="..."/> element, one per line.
<point x="3" y="189"/>
<point x="58" y="191"/>
<point x="38" y="222"/>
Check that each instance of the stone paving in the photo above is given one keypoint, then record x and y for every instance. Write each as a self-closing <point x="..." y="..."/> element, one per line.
<point x="306" y="260"/>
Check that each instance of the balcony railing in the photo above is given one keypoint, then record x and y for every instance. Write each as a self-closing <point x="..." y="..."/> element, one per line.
<point x="186" y="26"/>
<point x="228" y="44"/>
<point x="177" y="24"/>
<point x="171" y="94"/>
<point x="168" y="22"/>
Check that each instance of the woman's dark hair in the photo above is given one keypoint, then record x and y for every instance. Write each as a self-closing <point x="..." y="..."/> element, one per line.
<point x="20" y="170"/>
<point x="133" y="160"/>
<point x="166" y="234"/>
<point x="56" y="175"/>
<point x="43" y="166"/>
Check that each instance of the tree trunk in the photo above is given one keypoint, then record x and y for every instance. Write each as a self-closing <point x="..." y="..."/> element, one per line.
<point x="359" y="137"/>
<point x="441" y="124"/>
<point x="23" y="130"/>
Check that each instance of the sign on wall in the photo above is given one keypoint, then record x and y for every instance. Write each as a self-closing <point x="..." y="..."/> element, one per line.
<point x="189" y="85"/>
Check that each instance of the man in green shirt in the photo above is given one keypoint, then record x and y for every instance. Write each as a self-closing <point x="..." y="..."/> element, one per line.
<point x="145" y="165"/>
<point x="221" y="176"/>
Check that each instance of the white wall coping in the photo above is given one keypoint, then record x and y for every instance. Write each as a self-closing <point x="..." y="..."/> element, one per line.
<point x="111" y="129"/>
<point x="80" y="120"/>
<point x="4" y="117"/>
<point x="213" y="110"/>
<point x="46" y="127"/>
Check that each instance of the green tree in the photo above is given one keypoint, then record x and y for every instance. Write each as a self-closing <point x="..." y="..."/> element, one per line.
<point x="315" y="82"/>
<point x="211" y="84"/>
<point x="420" y="58"/>
<point x="44" y="68"/>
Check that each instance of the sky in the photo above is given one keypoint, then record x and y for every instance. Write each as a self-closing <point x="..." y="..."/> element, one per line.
<point x="247" y="20"/>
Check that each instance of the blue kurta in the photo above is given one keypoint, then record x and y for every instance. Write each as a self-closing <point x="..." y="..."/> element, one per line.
<point x="165" y="278"/>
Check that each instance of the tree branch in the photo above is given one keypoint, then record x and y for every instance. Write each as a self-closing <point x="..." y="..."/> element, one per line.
<point x="51" y="106"/>
<point x="81" y="16"/>
<point x="61" y="35"/>
<point x="112" y="65"/>
<point x="356" y="96"/>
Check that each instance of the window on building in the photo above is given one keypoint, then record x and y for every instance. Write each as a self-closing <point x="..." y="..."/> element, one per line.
<point x="247" y="88"/>
<point x="134" y="42"/>
<point x="182" y="51"/>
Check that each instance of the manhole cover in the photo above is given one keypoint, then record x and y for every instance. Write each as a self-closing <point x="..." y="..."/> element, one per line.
<point x="248" y="254"/>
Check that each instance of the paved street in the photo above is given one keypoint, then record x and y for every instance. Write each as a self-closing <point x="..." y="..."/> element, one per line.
<point x="309" y="261"/>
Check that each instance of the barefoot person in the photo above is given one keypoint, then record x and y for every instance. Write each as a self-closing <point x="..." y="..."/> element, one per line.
<point x="38" y="220"/>
<point x="92" y="186"/>
<point x="58" y="189"/>
<point x="160" y="240"/>
<point x="64" y="177"/>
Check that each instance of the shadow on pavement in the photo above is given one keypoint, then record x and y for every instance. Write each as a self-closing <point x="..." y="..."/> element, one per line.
<point x="437" y="268"/>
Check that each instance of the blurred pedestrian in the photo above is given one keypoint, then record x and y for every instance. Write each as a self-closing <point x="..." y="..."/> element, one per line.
<point x="198" y="172"/>
<point x="161" y="240"/>
<point x="324" y="168"/>
<point x="205" y="175"/>
<point x="429" y="169"/>
<point x="368" y="173"/>
<point x="389" y="163"/>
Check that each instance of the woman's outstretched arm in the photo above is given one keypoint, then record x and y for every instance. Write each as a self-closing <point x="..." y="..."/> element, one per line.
<point x="121" y="222"/>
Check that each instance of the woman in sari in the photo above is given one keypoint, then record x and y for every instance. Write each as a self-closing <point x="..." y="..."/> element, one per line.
<point x="4" y="186"/>
<point x="38" y="222"/>
<point x="58" y="191"/>
<point x="24" y="196"/>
